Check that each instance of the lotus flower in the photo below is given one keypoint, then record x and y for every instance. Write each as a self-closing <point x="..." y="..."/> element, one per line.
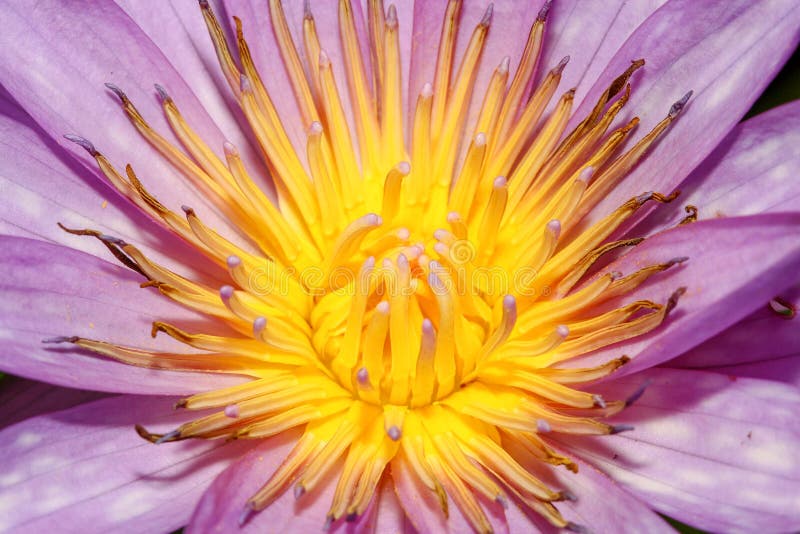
<point x="396" y="267"/>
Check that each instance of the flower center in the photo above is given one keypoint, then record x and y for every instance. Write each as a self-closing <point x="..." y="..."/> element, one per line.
<point x="410" y="298"/>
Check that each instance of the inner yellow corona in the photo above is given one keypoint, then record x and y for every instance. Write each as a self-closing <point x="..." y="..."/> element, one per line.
<point x="409" y="298"/>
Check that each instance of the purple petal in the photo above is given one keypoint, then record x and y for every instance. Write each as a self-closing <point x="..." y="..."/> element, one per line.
<point x="714" y="451"/>
<point x="86" y="467"/>
<point x="722" y="287"/>
<point x="600" y="505"/>
<point x="763" y="345"/>
<point x="222" y="505"/>
<point x="51" y="291"/>
<point x="62" y="89"/>
<point x="22" y="399"/>
<point x="179" y="31"/>
<point x="590" y="32"/>
<point x="752" y="171"/>
<point x="726" y="52"/>
<point x="42" y="185"/>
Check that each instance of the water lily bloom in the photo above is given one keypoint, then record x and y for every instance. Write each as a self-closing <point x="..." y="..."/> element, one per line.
<point x="431" y="266"/>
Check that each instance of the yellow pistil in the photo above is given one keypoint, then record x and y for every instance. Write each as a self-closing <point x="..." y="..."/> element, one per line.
<point x="408" y="299"/>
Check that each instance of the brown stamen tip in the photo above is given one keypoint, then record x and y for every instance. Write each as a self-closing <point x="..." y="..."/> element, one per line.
<point x="328" y="523"/>
<point x="119" y="92"/>
<point x="83" y="143"/>
<point x="783" y="308"/>
<point x="678" y="106"/>
<point x="61" y="339"/>
<point x="307" y="10"/>
<point x="691" y="217"/>
<point x="351" y="517"/>
<point x="162" y="93"/>
<point x="188" y="210"/>
<point x="623" y="360"/>
<point x="673" y="300"/>
<point x="542" y="16"/>
<point x="144" y="434"/>
<point x="204" y="4"/>
<point x="183" y="403"/>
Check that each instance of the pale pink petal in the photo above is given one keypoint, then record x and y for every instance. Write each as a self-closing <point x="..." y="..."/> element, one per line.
<point x="752" y="171"/>
<point x="22" y="399"/>
<point x="721" y="287"/>
<point x="727" y="52"/>
<point x="711" y="450"/>
<point x="51" y="291"/>
<point x="87" y="467"/>
<point x="763" y="338"/>
<point x="57" y="76"/>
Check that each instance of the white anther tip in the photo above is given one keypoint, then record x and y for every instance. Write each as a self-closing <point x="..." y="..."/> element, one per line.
<point x="586" y="174"/>
<point x="234" y="261"/>
<point x="404" y="167"/>
<point x="315" y="128"/>
<point x="562" y="331"/>
<point x="480" y="139"/>
<point x="499" y="182"/>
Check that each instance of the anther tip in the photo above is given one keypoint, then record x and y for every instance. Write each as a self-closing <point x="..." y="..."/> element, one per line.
<point x="162" y="93"/>
<point x="394" y="433"/>
<point x="382" y="307"/>
<point x="247" y="513"/>
<point x="505" y="65"/>
<point x="259" y="324"/>
<point x="226" y="292"/>
<point x="116" y="90"/>
<point x="575" y="527"/>
<point x="586" y="174"/>
<point x="299" y="491"/>
<point x="678" y="106"/>
<point x="362" y="375"/>
<point x="244" y="84"/>
<point x="61" y="339"/>
<point x="188" y="210"/>
<point x="480" y="139"/>
<point x="315" y="128"/>
<point x="82" y="142"/>
<point x="499" y="182"/>
<point x="566" y="495"/>
<point x="427" y="325"/>
<point x="404" y="234"/>
<point x="427" y="90"/>
<point x="169" y="436"/>
<point x="232" y="411"/>
<point x="598" y="401"/>
<point x="673" y="299"/>
<point x="562" y="330"/>
<point x="616" y="429"/>
<point x="558" y="69"/>
<point x="542" y="16"/>
<point x="543" y="426"/>
<point x="404" y="167"/>
<point x="234" y="261"/>
<point x="487" y="16"/>
<point x="324" y="60"/>
<point x="678" y="260"/>
<point x="554" y="227"/>
<point x="230" y="149"/>
<point x="328" y="523"/>
<point x="509" y="302"/>
<point x="351" y="517"/>
<point x="636" y="395"/>
<point x="391" y="17"/>
<point x="502" y="501"/>
<point x="307" y="10"/>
